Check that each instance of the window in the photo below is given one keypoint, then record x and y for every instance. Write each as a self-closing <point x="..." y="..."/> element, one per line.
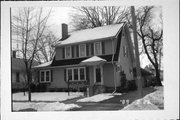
<point x="69" y="74"/>
<point x="17" y="77"/>
<point x="82" y="50"/>
<point x="82" y="74"/>
<point x="76" y="74"/>
<point x="97" y="48"/>
<point x="125" y="51"/>
<point x="45" y="76"/>
<point x="68" y="52"/>
<point x="76" y="77"/>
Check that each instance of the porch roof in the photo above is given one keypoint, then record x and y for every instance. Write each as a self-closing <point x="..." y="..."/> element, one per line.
<point x="47" y="64"/>
<point x="93" y="61"/>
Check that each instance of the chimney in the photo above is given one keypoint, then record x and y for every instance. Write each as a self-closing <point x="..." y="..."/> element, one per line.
<point x="64" y="31"/>
<point x="14" y="54"/>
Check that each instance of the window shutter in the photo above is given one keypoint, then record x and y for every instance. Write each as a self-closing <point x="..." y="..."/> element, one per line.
<point x="72" y="51"/>
<point x="92" y="49"/>
<point x="51" y="75"/>
<point x="77" y="51"/>
<point x="87" y="73"/>
<point x="38" y="75"/>
<point x="63" y="52"/>
<point x="65" y="74"/>
<point x="103" y="47"/>
<point x="87" y="50"/>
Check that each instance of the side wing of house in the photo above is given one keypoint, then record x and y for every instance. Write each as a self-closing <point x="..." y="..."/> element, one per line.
<point x="126" y="56"/>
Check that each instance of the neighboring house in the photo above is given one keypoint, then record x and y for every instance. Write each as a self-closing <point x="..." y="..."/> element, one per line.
<point x="90" y="58"/>
<point x="18" y="72"/>
<point x="146" y="77"/>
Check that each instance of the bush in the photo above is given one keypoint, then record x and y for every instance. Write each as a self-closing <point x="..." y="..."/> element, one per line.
<point x="123" y="79"/>
<point x="153" y="81"/>
<point x="41" y="88"/>
<point x="131" y="85"/>
<point x="121" y="90"/>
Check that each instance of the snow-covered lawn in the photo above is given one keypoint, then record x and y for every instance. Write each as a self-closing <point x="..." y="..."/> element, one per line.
<point x="98" y="98"/>
<point x="152" y="101"/>
<point x="47" y="96"/>
<point x="42" y="106"/>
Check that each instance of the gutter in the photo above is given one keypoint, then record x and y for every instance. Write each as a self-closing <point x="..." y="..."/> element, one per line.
<point x="114" y="69"/>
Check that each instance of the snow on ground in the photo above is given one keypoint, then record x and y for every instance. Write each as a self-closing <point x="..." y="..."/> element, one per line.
<point x="152" y="101"/>
<point x="97" y="98"/>
<point x="156" y="98"/>
<point x="47" y="96"/>
<point x="42" y="106"/>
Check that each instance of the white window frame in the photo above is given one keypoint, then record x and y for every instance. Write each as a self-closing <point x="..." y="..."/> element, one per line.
<point x="68" y="57"/>
<point x="99" y="48"/>
<point x="125" y="51"/>
<point x="78" y="73"/>
<point x="45" y="81"/>
<point x="81" y="50"/>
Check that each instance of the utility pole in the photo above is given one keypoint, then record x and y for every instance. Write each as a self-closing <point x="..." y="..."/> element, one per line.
<point x="138" y="71"/>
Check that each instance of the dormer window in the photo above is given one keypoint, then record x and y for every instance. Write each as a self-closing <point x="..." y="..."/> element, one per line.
<point x="68" y="53"/>
<point x="97" y="48"/>
<point x="82" y="50"/>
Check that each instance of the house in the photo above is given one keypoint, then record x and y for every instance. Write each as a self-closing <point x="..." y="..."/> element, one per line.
<point x="18" y="72"/>
<point x="146" y="77"/>
<point x="90" y="58"/>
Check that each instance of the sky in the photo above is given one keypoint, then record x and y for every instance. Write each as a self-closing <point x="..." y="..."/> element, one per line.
<point x="61" y="15"/>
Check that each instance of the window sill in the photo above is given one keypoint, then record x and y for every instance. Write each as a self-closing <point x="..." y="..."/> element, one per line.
<point x="45" y="82"/>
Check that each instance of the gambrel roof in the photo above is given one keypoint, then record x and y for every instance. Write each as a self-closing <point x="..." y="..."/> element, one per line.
<point x="97" y="33"/>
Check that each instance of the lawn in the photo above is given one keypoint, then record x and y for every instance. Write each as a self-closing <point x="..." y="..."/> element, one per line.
<point x="45" y="101"/>
<point x="60" y="101"/>
<point x="47" y="96"/>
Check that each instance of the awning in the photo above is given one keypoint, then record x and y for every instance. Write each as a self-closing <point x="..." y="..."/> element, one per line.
<point x="93" y="61"/>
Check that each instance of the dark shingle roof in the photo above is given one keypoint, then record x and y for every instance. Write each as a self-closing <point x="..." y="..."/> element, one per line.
<point x="17" y="64"/>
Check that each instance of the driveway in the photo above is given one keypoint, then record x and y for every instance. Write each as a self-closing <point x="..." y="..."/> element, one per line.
<point x="116" y="103"/>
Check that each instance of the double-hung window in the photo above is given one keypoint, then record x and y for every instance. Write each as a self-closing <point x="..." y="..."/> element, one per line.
<point x="76" y="74"/>
<point x="82" y="50"/>
<point x="125" y="52"/>
<point x="97" y="48"/>
<point x="82" y="73"/>
<point x="68" y="53"/>
<point x="69" y="74"/>
<point x="45" y="76"/>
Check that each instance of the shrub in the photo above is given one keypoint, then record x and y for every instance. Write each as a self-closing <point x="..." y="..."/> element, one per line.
<point x="123" y="79"/>
<point x="131" y="85"/>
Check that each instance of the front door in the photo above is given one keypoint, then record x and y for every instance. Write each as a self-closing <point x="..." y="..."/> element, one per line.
<point x="98" y="74"/>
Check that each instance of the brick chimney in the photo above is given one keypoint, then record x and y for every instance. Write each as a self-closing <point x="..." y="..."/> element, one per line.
<point x="64" y="31"/>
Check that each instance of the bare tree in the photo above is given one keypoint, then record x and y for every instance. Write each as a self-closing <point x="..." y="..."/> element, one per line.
<point x="151" y="37"/>
<point x="90" y="17"/>
<point x="32" y="24"/>
<point x="46" y="50"/>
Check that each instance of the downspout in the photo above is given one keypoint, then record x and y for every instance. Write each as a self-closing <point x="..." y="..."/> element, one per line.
<point x="114" y="68"/>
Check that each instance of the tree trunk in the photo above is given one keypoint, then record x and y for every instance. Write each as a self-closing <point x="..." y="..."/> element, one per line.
<point x="158" y="80"/>
<point x="29" y="86"/>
